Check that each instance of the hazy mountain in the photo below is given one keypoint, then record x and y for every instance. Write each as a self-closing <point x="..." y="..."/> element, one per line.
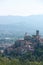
<point x="21" y="24"/>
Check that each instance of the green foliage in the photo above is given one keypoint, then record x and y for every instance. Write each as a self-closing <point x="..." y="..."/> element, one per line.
<point x="7" y="61"/>
<point x="29" y="58"/>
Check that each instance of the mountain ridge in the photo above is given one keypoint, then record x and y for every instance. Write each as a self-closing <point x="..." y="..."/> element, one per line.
<point x="21" y="24"/>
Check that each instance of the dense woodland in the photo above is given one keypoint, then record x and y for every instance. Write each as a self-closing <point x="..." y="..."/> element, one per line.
<point x="29" y="58"/>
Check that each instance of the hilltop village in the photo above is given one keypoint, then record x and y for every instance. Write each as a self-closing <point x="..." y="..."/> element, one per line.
<point x="22" y="46"/>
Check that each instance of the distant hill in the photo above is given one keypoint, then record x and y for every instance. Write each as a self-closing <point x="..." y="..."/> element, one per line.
<point x="21" y="24"/>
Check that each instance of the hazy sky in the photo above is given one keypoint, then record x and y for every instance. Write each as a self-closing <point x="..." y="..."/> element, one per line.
<point x="21" y="7"/>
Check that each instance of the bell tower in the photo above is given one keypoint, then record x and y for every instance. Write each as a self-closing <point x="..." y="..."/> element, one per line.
<point x="37" y="32"/>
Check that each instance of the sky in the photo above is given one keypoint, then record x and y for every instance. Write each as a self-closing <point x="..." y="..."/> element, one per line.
<point x="21" y="7"/>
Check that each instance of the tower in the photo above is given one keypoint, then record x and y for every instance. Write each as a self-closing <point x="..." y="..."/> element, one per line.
<point x="37" y="32"/>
